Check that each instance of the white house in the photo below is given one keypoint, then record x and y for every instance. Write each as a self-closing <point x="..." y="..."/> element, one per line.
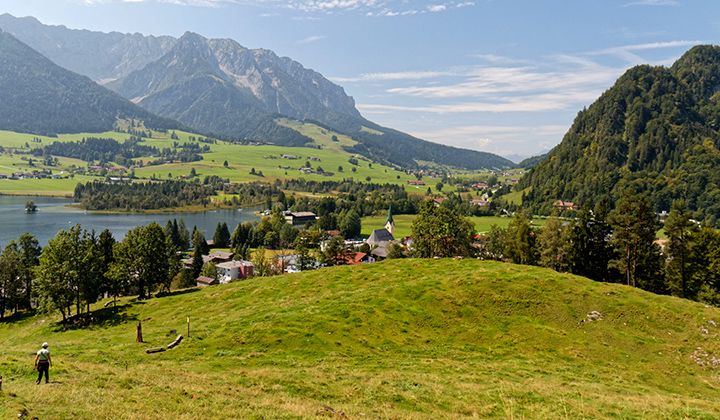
<point x="233" y="270"/>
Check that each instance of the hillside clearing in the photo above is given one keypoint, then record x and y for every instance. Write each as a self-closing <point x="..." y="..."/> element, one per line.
<point x="399" y="339"/>
<point x="403" y="223"/>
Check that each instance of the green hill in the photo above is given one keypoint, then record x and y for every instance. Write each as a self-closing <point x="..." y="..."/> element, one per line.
<point x="400" y="339"/>
<point x="655" y="130"/>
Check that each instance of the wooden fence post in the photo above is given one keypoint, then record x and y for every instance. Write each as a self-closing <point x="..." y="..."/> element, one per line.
<point x="139" y="338"/>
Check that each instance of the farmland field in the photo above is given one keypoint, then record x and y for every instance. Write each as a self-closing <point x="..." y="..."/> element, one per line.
<point x="227" y="160"/>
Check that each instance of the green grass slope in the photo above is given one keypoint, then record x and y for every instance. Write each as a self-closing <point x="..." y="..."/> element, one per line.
<point x="403" y="223"/>
<point x="400" y="339"/>
<point x="241" y="160"/>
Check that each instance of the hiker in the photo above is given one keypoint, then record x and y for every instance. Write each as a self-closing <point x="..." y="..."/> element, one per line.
<point x="42" y="363"/>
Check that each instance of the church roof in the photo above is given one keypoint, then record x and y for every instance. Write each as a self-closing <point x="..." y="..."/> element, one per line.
<point x="380" y="235"/>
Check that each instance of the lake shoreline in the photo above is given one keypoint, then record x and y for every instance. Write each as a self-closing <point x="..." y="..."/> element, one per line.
<point x="170" y="210"/>
<point x="57" y="213"/>
<point x="29" y="194"/>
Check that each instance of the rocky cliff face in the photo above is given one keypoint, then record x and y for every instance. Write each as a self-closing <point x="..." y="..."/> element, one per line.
<point x="278" y="85"/>
<point x="100" y="56"/>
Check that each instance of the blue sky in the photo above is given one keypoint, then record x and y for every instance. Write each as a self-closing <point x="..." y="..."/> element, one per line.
<point x="505" y="76"/>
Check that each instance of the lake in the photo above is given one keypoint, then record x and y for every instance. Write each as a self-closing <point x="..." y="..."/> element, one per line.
<point x="54" y="214"/>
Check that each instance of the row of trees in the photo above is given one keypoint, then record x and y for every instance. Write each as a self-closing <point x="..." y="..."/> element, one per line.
<point x="78" y="267"/>
<point x="144" y="195"/>
<point x="17" y="262"/>
<point x="618" y="246"/>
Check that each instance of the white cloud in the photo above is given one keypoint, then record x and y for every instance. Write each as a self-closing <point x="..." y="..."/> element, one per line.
<point x="378" y="8"/>
<point x="198" y="3"/>
<point x="390" y="76"/>
<point x="311" y="39"/>
<point x="540" y="102"/>
<point x="652" y="3"/>
<point x="330" y="5"/>
<point x="384" y="8"/>
<point x="485" y="81"/>
<point x="504" y="85"/>
<point x="496" y="138"/>
<point x="629" y="53"/>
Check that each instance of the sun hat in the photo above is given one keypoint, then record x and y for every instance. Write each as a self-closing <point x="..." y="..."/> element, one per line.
<point x="45" y="345"/>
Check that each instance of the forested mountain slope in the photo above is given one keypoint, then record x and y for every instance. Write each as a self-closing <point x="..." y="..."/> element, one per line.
<point x="655" y="130"/>
<point x="41" y="97"/>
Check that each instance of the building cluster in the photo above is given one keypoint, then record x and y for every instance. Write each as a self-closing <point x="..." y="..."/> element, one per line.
<point x="228" y="269"/>
<point x="39" y="174"/>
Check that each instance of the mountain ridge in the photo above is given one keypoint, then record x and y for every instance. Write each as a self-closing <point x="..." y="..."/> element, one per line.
<point x="99" y="55"/>
<point x="40" y="97"/>
<point x="655" y="131"/>
<point x="247" y="90"/>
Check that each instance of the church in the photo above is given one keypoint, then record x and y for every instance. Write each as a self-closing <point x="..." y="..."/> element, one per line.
<point x="380" y="239"/>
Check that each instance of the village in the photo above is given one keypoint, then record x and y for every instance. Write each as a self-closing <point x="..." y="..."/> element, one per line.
<point x="227" y="268"/>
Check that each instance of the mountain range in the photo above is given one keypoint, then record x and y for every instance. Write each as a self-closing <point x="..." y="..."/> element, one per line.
<point x="41" y="97"/>
<point x="656" y="131"/>
<point x="218" y="87"/>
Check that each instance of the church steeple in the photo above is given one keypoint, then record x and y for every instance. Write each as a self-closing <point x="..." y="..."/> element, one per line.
<point x="390" y="224"/>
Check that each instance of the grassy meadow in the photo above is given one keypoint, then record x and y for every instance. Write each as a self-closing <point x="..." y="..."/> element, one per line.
<point x="241" y="159"/>
<point x="399" y="339"/>
<point x="403" y="223"/>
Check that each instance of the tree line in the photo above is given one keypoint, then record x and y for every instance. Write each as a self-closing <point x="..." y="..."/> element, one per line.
<point x="97" y="195"/>
<point x="77" y="267"/>
<point x="105" y="150"/>
<point x="618" y="245"/>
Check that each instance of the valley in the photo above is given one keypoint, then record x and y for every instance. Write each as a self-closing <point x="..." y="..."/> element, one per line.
<point x="242" y="159"/>
<point x="205" y="229"/>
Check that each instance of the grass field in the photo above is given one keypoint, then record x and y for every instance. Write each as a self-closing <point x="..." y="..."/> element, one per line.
<point x="241" y="160"/>
<point x="399" y="339"/>
<point x="403" y="223"/>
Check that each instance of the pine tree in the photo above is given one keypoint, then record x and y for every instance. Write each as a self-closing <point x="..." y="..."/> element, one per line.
<point x="520" y="245"/>
<point x="197" y="261"/>
<point x="553" y="240"/>
<point x="350" y="224"/>
<point x="11" y="288"/>
<point x="680" y="230"/>
<point x="705" y="265"/>
<point x="589" y="249"/>
<point x="106" y="243"/>
<point x="638" y="257"/>
<point x="198" y="241"/>
<point x="222" y="235"/>
<point x="30" y="251"/>
<point x="183" y="236"/>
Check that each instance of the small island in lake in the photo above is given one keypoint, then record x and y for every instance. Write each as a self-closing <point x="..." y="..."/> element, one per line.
<point x="30" y="207"/>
